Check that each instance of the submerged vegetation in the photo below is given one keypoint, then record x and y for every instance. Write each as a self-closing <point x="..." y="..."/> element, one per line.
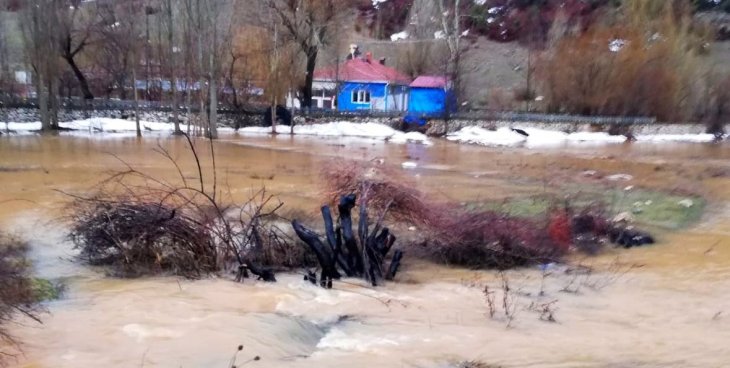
<point x="138" y="224"/>
<point x="19" y="292"/>
<point x="481" y="237"/>
<point x="647" y="208"/>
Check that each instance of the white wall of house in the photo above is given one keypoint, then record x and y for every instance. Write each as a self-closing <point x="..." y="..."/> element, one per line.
<point x="323" y="96"/>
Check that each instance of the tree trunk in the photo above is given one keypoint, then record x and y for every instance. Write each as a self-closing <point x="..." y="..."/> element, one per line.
<point x="213" y="115"/>
<point x="365" y="260"/>
<point x="42" y="102"/>
<point x="53" y="102"/>
<point x="309" y="80"/>
<point x="173" y="80"/>
<point x="83" y="83"/>
<point x="136" y="101"/>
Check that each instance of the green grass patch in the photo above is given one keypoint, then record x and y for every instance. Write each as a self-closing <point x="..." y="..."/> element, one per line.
<point x="45" y="290"/>
<point x="649" y="208"/>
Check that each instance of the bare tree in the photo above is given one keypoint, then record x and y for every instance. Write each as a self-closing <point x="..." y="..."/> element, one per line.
<point x="171" y="59"/>
<point x="75" y="30"/>
<point x="40" y="46"/>
<point x="209" y="25"/>
<point x="307" y="23"/>
<point x="450" y="16"/>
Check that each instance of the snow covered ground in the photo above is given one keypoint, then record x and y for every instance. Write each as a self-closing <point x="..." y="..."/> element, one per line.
<point x="93" y="125"/>
<point x="544" y="138"/>
<point x="346" y="129"/>
<point x="535" y="138"/>
<point x="96" y="126"/>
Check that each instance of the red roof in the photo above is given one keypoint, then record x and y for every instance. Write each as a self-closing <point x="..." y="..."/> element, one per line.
<point x="429" y="81"/>
<point x="359" y="70"/>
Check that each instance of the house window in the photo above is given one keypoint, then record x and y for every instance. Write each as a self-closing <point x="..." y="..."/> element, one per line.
<point x="361" y="96"/>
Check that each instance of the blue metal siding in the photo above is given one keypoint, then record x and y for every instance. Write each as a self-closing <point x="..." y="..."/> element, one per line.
<point x="427" y="101"/>
<point x="344" y="97"/>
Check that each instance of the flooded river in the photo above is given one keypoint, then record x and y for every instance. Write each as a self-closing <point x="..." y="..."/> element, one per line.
<point x="662" y="306"/>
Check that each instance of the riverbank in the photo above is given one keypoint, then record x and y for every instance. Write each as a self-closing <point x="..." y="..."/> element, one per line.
<point x="531" y="135"/>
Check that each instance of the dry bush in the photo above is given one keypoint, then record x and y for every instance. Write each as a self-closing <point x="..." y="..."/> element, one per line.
<point x="142" y="237"/>
<point x="388" y="189"/>
<point x="139" y="225"/>
<point x="455" y="235"/>
<point x="652" y="74"/>
<point x="17" y="293"/>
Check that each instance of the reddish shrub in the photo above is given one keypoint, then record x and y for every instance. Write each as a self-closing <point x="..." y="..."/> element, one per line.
<point x="455" y="235"/>
<point x="560" y="230"/>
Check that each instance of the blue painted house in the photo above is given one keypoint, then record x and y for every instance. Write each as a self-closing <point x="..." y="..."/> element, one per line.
<point x="364" y="84"/>
<point x="430" y="96"/>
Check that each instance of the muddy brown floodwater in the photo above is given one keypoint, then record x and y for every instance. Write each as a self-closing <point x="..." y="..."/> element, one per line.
<point x="662" y="306"/>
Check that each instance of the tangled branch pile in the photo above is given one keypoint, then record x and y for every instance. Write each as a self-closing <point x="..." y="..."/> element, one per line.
<point x="142" y="237"/>
<point x="17" y="293"/>
<point x="137" y="224"/>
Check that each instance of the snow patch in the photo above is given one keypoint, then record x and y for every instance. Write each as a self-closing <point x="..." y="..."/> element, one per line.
<point x="399" y="36"/>
<point x="616" y="45"/>
<point x="536" y="138"/>
<point x="97" y="125"/>
<point x="346" y="129"/>
<point x="494" y="10"/>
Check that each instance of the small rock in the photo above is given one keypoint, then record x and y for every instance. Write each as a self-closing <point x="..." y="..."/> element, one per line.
<point x="686" y="203"/>
<point x="589" y="173"/>
<point x="648" y="203"/>
<point x="411" y="228"/>
<point x="630" y="187"/>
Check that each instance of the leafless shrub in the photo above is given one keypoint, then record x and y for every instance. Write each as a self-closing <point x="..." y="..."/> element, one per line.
<point x="138" y="224"/>
<point x="546" y="311"/>
<point x="17" y="293"/>
<point x="582" y="276"/>
<point x="455" y="235"/>
<point x="388" y="191"/>
<point x="507" y="306"/>
<point x="509" y="303"/>
<point x="489" y="298"/>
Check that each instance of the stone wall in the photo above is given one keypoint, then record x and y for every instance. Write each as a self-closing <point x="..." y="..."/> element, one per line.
<point x="440" y="127"/>
<point x="27" y="115"/>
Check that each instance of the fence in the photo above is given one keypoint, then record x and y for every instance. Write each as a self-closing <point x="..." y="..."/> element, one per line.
<point x="486" y="115"/>
<point x="123" y="105"/>
<point x="473" y="115"/>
